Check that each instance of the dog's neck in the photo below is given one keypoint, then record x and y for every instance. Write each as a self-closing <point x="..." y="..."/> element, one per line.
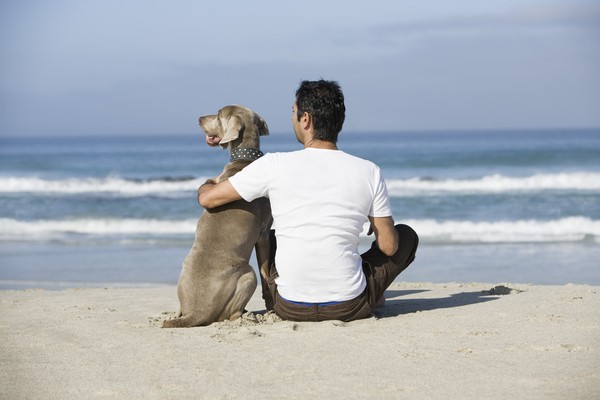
<point x="243" y="153"/>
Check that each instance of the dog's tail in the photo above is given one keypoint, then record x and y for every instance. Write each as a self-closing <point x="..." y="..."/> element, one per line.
<point x="180" y="322"/>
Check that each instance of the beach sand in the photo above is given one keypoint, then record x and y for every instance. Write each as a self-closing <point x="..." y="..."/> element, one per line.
<point x="430" y="341"/>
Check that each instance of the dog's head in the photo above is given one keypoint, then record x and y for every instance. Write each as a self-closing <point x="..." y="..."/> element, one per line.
<point x="234" y="123"/>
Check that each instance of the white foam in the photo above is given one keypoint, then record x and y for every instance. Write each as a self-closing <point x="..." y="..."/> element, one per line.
<point x="572" y="229"/>
<point x="114" y="185"/>
<point x="76" y="284"/>
<point x="577" y="181"/>
<point x="109" y="185"/>
<point x="11" y="229"/>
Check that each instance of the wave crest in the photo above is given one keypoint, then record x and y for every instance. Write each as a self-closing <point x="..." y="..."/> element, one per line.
<point x="110" y="185"/>
<point x="11" y="229"/>
<point x="578" y="181"/>
<point x="170" y="186"/>
<point x="572" y="229"/>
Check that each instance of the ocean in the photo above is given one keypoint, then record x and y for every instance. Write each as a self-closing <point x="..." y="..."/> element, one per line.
<point x="489" y="206"/>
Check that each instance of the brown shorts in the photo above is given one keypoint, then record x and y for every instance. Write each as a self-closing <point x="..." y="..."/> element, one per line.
<point x="379" y="269"/>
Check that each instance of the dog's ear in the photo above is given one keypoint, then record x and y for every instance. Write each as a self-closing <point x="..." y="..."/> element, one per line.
<point x="263" y="128"/>
<point x="232" y="127"/>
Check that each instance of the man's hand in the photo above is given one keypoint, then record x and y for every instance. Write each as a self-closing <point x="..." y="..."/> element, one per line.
<point x="211" y="195"/>
<point x="370" y="231"/>
<point x="204" y="187"/>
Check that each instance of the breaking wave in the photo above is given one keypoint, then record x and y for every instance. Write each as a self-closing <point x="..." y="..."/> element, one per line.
<point x="169" y="186"/>
<point x="578" y="181"/>
<point x="112" y="185"/>
<point x="571" y="229"/>
<point x="11" y="229"/>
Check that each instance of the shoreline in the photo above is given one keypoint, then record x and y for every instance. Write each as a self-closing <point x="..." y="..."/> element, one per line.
<point x="59" y="267"/>
<point x="430" y="341"/>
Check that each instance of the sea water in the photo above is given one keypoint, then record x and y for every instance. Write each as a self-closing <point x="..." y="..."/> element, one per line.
<point x="506" y="206"/>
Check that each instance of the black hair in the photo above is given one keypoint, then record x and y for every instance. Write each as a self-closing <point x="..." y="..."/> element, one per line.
<point x="324" y="101"/>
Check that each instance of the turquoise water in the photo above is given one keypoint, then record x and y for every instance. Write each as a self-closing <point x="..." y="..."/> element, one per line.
<point x="518" y="206"/>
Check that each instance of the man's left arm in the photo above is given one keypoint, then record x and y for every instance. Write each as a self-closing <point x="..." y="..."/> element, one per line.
<point x="385" y="234"/>
<point x="211" y="195"/>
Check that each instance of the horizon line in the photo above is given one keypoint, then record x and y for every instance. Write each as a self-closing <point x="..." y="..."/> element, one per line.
<point x="280" y="133"/>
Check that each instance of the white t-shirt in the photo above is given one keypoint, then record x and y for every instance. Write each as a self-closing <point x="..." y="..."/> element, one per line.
<point x="320" y="201"/>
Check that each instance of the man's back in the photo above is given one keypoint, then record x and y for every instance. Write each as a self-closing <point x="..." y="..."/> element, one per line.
<point x="320" y="201"/>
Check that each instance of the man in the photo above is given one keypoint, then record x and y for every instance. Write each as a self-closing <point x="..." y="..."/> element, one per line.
<point x="321" y="197"/>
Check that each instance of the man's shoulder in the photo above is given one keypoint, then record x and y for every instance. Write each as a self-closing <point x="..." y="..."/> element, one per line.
<point x="280" y="155"/>
<point x="359" y="160"/>
<point x="317" y="157"/>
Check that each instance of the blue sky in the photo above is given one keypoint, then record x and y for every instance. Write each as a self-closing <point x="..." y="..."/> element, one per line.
<point x="110" y="67"/>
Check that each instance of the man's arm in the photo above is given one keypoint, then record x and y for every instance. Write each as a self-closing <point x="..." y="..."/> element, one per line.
<point x="211" y="195"/>
<point x="385" y="234"/>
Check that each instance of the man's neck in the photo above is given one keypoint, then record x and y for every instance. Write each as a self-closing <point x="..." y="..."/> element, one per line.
<point x="320" y="144"/>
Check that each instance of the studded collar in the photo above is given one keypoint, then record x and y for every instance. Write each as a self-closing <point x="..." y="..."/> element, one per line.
<point x="245" y="154"/>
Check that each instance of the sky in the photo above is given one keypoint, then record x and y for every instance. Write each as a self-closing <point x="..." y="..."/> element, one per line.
<point x="113" y="67"/>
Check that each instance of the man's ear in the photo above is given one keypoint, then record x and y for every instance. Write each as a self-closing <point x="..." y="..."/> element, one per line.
<point x="263" y="128"/>
<point x="306" y="120"/>
<point x="232" y="127"/>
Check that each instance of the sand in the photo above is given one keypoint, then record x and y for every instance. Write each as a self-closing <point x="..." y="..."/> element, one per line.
<point x="430" y="341"/>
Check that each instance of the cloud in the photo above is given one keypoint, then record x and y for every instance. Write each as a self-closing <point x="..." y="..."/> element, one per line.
<point x="579" y="17"/>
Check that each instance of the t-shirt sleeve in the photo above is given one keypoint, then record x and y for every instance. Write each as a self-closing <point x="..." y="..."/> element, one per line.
<point x="381" y="202"/>
<point x="251" y="182"/>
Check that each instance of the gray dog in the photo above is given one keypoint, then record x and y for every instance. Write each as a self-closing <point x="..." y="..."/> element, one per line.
<point x="216" y="281"/>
